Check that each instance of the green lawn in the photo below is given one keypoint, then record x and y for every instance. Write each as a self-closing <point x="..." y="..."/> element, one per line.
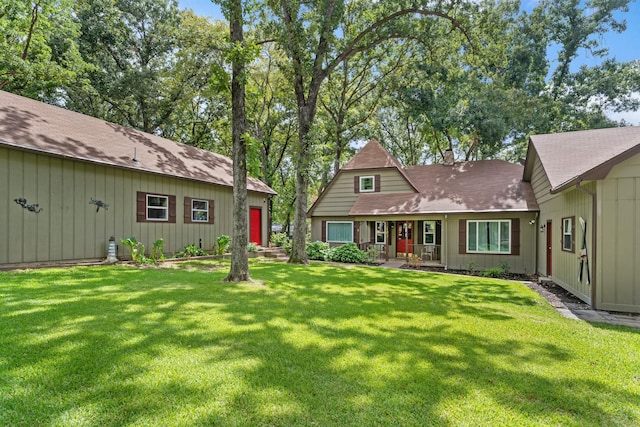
<point x="318" y="345"/>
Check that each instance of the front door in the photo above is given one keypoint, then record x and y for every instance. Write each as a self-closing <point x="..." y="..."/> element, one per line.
<point x="549" y="251"/>
<point x="255" y="226"/>
<point x="404" y="237"/>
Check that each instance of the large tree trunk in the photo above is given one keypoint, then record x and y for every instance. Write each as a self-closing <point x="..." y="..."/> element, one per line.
<point x="303" y="154"/>
<point x="239" y="261"/>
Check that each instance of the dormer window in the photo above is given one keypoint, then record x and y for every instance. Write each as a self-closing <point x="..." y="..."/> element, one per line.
<point x="367" y="184"/>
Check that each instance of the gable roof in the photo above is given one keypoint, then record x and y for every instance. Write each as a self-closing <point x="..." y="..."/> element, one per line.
<point x="35" y="126"/>
<point x="570" y="157"/>
<point x="372" y="156"/>
<point x="477" y="186"/>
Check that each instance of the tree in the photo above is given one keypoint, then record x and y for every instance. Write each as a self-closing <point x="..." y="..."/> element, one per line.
<point x="239" y="270"/>
<point x="38" y="47"/>
<point x="306" y="31"/>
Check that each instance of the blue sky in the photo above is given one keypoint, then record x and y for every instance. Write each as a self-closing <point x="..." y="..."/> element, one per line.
<point x="624" y="47"/>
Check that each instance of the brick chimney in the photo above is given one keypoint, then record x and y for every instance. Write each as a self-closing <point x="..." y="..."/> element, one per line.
<point x="448" y="157"/>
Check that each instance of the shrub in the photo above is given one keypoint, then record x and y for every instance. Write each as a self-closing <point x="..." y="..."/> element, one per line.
<point x="157" y="253"/>
<point x="287" y="247"/>
<point x="415" y="261"/>
<point x="319" y="251"/>
<point x="279" y="239"/>
<point x="136" y="249"/>
<point x="191" y="250"/>
<point x="372" y="254"/>
<point x="495" y="272"/>
<point x="252" y="247"/>
<point x="505" y="267"/>
<point x="348" y="252"/>
<point x="222" y="244"/>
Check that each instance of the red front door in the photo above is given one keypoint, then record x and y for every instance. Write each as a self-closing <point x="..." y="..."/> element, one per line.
<point x="404" y="237"/>
<point x="549" y="246"/>
<point x="255" y="226"/>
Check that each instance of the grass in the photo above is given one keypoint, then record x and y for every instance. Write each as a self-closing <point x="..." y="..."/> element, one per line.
<point x="314" y="346"/>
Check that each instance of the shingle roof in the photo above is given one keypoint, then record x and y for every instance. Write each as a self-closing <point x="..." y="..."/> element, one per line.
<point x="33" y="125"/>
<point x="372" y="156"/>
<point x="479" y="186"/>
<point x="584" y="155"/>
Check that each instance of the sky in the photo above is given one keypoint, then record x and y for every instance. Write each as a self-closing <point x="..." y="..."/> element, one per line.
<point x="623" y="47"/>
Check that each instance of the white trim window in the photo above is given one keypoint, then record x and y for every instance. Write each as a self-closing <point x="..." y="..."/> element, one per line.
<point x="157" y="208"/>
<point x="429" y="228"/>
<point x="381" y="232"/>
<point x="489" y="236"/>
<point x="339" y="231"/>
<point x="367" y="184"/>
<point x="199" y="210"/>
<point x="567" y="234"/>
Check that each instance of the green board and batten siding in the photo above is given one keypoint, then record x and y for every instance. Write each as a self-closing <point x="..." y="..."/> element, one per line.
<point x="571" y="203"/>
<point x="69" y="228"/>
<point x="341" y="197"/>
<point x="618" y="256"/>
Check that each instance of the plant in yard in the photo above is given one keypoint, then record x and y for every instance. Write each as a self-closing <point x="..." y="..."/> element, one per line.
<point x="136" y="249"/>
<point x="505" y="267"/>
<point x="190" y="251"/>
<point x="222" y="244"/>
<point x="157" y="253"/>
<point x="415" y="261"/>
<point x="349" y="252"/>
<point x="287" y="247"/>
<point x="279" y="239"/>
<point x="372" y="254"/>
<point x="471" y="267"/>
<point x="252" y="247"/>
<point x="495" y="272"/>
<point x="319" y="251"/>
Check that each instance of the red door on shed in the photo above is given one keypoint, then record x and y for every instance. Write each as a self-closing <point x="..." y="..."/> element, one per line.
<point x="255" y="226"/>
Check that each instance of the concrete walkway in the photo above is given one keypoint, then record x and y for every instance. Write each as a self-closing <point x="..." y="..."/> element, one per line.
<point x="571" y="311"/>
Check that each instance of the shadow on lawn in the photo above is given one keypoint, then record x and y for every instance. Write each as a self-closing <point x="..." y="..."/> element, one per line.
<point x="361" y="346"/>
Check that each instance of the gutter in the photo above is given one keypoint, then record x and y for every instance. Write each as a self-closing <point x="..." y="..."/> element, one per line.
<point x="594" y="246"/>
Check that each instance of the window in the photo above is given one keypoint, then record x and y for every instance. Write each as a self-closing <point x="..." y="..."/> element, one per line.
<point x="367" y="184"/>
<point x="157" y="208"/>
<point x="381" y="232"/>
<point x="567" y="234"/>
<point x="199" y="210"/>
<point x="339" y="231"/>
<point x="490" y="236"/>
<point x="153" y="207"/>
<point x="429" y="232"/>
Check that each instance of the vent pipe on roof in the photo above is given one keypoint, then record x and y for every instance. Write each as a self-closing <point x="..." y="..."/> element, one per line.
<point x="448" y="157"/>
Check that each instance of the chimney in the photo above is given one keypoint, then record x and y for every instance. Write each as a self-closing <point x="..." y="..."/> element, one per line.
<point x="448" y="158"/>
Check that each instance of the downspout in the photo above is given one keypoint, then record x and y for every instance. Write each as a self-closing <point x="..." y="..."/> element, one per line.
<point x="446" y="238"/>
<point x="594" y="246"/>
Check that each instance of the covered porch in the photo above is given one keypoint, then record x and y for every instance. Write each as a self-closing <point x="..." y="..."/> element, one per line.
<point x="417" y="240"/>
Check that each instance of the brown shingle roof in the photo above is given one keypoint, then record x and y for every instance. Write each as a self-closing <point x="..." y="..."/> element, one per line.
<point x="33" y="125"/>
<point x="372" y="156"/>
<point x="480" y="186"/>
<point x="584" y="155"/>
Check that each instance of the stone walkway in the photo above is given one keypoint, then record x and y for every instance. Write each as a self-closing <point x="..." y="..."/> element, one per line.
<point x="571" y="311"/>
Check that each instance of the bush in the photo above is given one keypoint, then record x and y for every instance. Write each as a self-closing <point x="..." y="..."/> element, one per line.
<point x="252" y="247"/>
<point x="319" y="251"/>
<point x="222" y="244"/>
<point x="372" y="254"/>
<point x="157" y="253"/>
<point x="495" y="272"/>
<point x="190" y="251"/>
<point x="348" y="252"/>
<point x="287" y="247"/>
<point x="279" y="239"/>
<point x="136" y="249"/>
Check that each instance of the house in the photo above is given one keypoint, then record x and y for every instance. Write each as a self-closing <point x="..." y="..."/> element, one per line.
<point x="591" y="178"/>
<point x="68" y="182"/>
<point x="471" y="215"/>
